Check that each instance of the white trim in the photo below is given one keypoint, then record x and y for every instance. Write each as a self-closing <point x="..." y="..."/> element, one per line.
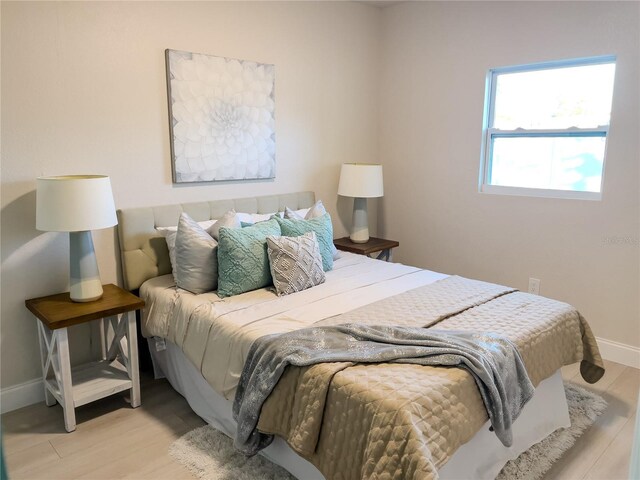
<point x="572" y="132"/>
<point x="619" y="352"/>
<point x="540" y="192"/>
<point x="553" y="64"/>
<point x="21" y="395"/>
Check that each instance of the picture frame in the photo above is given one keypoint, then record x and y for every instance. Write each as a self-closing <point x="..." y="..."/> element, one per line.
<point x="221" y="118"/>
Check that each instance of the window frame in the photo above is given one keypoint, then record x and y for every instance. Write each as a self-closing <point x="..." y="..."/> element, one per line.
<point x="490" y="133"/>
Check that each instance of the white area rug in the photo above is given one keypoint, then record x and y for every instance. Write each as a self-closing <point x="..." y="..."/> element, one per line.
<point x="210" y="455"/>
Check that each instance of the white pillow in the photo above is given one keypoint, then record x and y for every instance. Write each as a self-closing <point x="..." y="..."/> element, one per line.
<point x="165" y="230"/>
<point x="196" y="257"/>
<point x="261" y="217"/>
<point x="296" y="214"/>
<point x="245" y="217"/>
<point x="229" y="219"/>
<point x="257" y="217"/>
<point x="170" y="238"/>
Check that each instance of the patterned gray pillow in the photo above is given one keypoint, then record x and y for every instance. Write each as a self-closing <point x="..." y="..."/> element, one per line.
<point x="295" y="263"/>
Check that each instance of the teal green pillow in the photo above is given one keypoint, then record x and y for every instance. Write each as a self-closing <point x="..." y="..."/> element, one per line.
<point x="324" y="233"/>
<point x="243" y="263"/>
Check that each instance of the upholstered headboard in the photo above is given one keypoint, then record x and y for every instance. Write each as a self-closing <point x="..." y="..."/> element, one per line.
<point x="143" y="250"/>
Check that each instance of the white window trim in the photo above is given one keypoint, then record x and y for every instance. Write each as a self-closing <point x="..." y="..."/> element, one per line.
<point x="540" y="192"/>
<point x="489" y="133"/>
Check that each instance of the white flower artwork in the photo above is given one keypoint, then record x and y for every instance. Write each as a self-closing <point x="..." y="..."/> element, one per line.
<point x="221" y="117"/>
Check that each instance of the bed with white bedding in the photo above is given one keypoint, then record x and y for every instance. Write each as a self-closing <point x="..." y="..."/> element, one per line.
<point x="208" y="338"/>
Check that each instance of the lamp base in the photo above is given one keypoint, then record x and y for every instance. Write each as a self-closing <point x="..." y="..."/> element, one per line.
<point x="84" y="275"/>
<point x="360" y="222"/>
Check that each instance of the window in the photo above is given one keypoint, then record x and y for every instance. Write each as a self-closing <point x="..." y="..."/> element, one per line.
<point x="545" y="128"/>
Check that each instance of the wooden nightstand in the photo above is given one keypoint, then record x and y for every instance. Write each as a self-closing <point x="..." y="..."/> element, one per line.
<point x="118" y="369"/>
<point x="372" y="246"/>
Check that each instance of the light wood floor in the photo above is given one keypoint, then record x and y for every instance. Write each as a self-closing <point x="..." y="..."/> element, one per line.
<point x="114" y="441"/>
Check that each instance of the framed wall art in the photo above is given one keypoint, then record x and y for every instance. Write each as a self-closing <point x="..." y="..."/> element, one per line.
<point x="221" y="118"/>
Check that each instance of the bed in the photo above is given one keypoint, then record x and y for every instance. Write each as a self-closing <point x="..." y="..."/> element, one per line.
<point x="200" y="343"/>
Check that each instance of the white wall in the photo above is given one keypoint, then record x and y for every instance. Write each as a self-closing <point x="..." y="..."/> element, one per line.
<point x="435" y="57"/>
<point x="84" y="91"/>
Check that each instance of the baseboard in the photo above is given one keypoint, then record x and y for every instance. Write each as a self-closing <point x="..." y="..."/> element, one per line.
<point x="619" y="352"/>
<point x="18" y="396"/>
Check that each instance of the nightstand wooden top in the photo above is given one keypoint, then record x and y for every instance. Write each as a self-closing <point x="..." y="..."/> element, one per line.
<point x="373" y="245"/>
<point x="58" y="311"/>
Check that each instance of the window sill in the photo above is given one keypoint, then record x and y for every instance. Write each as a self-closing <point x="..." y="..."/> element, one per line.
<point x="540" y="192"/>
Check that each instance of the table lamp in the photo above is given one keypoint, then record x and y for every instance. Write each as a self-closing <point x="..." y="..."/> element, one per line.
<point x="361" y="181"/>
<point x="77" y="204"/>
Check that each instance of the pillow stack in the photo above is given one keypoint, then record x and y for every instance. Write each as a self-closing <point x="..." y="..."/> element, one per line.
<point x="292" y="253"/>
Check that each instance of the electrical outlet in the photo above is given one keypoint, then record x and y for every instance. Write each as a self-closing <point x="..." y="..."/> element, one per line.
<point x="534" y="286"/>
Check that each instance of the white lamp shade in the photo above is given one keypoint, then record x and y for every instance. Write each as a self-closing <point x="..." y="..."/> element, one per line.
<point x="74" y="203"/>
<point x="361" y="180"/>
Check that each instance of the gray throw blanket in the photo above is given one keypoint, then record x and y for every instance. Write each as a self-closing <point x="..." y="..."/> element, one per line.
<point x="492" y="359"/>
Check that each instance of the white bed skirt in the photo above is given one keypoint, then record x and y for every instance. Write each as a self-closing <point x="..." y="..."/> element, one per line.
<point x="481" y="458"/>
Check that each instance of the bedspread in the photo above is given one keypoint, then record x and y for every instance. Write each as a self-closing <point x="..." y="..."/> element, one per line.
<point x="492" y="359"/>
<point x="405" y="421"/>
